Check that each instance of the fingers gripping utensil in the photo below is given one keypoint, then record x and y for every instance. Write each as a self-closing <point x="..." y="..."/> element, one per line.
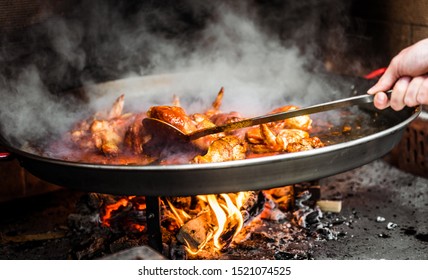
<point x="159" y="127"/>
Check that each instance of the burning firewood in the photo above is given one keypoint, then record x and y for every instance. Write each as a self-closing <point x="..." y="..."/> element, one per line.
<point x="220" y="220"/>
<point x="283" y="197"/>
<point x="196" y="231"/>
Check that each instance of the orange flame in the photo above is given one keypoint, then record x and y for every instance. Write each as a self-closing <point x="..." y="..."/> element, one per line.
<point x="113" y="207"/>
<point x="224" y="223"/>
<point x="180" y="215"/>
<point x="227" y="220"/>
<point x="137" y="203"/>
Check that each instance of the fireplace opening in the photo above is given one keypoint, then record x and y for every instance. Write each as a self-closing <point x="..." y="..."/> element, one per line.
<point x="382" y="217"/>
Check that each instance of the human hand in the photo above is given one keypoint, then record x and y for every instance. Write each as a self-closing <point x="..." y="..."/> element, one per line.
<point x="407" y="75"/>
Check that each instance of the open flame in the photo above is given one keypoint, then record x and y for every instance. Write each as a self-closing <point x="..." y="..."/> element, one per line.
<point x="113" y="207"/>
<point x="216" y="219"/>
<point x="226" y="219"/>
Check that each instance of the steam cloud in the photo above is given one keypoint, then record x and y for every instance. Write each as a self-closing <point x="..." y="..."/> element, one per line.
<point x="263" y="57"/>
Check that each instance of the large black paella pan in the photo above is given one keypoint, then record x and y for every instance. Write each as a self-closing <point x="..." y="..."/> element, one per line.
<point x="379" y="132"/>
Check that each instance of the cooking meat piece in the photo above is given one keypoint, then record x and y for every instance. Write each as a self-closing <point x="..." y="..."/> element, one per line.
<point x="265" y="140"/>
<point x="300" y="122"/>
<point x="223" y="149"/>
<point x="177" y="117"/>
<point x="136" y="136"/>
<point x="176" y="101"/>
<point x="104" y="131"/>
<point x="215" y="107"/>
<point x="305" y="144"/>
<point x="218" y="117"/>
<point x="225" y="118"/>
<point x="117" y="108"/>
<point x="105" y="137"/>
<point x="81" y="135"/>
<point x="109" y="135"/>
<point x="202" y="121"/>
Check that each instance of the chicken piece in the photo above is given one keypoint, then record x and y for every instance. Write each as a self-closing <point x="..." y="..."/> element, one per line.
<point x="215" y="107"/>
<point x="202" y="122"/>
<point x="117" y="108"/>
<point x="263" y="134"/>
<point x="108" y="135"/>
<point x="254" y="135"/>
<point x="177" y="117"/>
<point x="216" y="116"/>
<point x="220" y="118"/>
<point x="305" y="144"/>
<point x="104" y="137"/>
<point x="225" y="118"/>
<point x="176" y="101"/>
<point x="104" y="131"/>
<point x="301" y="122"/>
<point x="81" y="136"/>
<point x="265" y="140"/>
<point x="224" y="149"/>
<point x="136" y="136"/>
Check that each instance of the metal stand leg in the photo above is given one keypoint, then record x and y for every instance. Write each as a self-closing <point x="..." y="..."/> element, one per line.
<point x="153" y="222"/>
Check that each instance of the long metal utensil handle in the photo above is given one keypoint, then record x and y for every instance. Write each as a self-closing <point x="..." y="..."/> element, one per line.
<point x="346" y="102"/>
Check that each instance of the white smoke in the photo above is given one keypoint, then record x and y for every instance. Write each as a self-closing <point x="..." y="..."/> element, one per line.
<point x="231" y="50"/>
<point x="28" y="113"/>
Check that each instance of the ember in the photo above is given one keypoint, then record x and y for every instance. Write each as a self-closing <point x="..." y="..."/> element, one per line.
<point x="131" y="203"/>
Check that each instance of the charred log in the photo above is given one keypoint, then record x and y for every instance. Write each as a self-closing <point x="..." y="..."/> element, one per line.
<point x="196" y="231"/>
